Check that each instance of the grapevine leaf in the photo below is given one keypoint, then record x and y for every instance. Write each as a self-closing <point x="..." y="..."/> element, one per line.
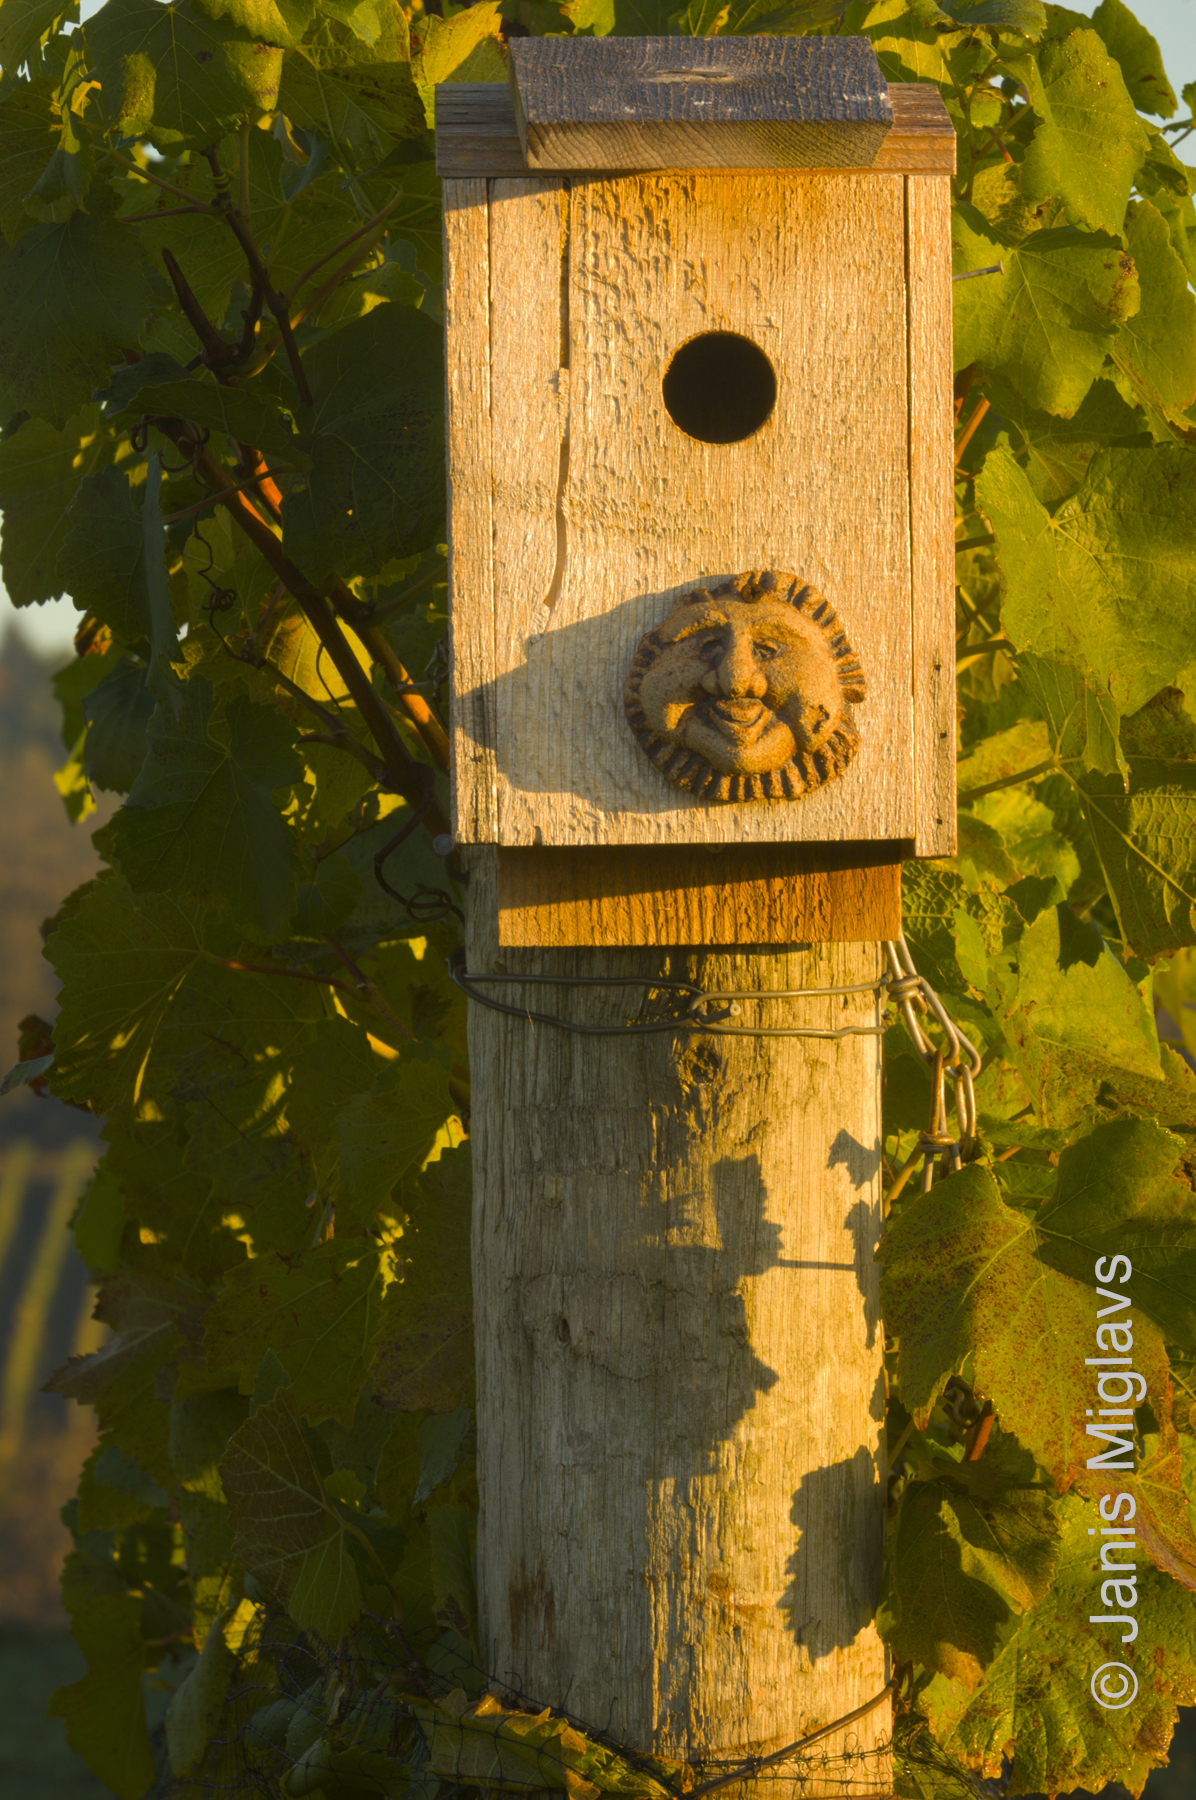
<point x="105" y="1711"/>
<point x="286" y="1532"/>
<point x="318" y="1312"/>
<point x="1036" y="1703"/>
<point x="102" y="559"/>
<point x="363" y="110"/>
<point x="959" y="1277"/>
<point x="72" y="297"/>
<point x="40" y="473"/>
<point x="425" y="1355"/>
<point x="466" y="47"/>
<point x="281" y="22"/>
<point x="30" y="127"/>
<point x="1156" y="349"/>
<point x="387" y="1130"/>
<point x="1089" y="143"/>
<point x="1146" y="839"/>
<point x="26" y="24"/>
<point x="440" y="1443"/>
<point x="198" y="1701"/>
<point x="376" y="439"/>
<point x="1083" y="721"/>
<point x="522" y="1751"/>
<point x="1057" y="451"/>
<point x="1077" y="1027"/>
<point x="1139" y="57"/>
<point x="200" y="1428"/>
<point x="965" y="1555"/>
<point x="179" y="79"/>
<point x="1049" y="321"/>
<point x="118" y="711"/>
<point x="1025" y="18"/>
<point x="100" y="1221"/>
<point x="240" y="413"/>
<point x="122" y="959"/>
<point x="1163" y="1516"/>
<point x="200" y="818"/>
<point x="1117" y="1191"/>
<point x="1094" y="583"/>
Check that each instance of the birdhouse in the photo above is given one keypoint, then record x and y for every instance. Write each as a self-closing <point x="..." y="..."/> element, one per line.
<point x="699" y="401"/>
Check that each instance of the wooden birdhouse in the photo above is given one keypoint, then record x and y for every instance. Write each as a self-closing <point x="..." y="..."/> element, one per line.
<point x="699" y="387"/>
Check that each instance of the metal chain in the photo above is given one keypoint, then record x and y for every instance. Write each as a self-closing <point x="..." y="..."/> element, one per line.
<point x="960" y="1061"/>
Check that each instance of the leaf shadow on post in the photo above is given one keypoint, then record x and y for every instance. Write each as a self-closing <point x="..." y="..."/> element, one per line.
<point x="826" y="1607"/>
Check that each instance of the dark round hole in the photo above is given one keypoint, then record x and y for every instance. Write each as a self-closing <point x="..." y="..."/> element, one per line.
<point x="720" y="387"/>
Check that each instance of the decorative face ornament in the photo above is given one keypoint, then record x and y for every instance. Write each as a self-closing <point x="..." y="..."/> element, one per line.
<point x="741" y="693"/>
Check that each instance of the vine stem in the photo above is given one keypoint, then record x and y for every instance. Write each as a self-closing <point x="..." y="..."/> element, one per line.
<point x="362" y="231"/>
<point x="261" y="274"/>
<point x="747" y="1770"/>
<point x="409" y="778"/>
<point x="167" y="186"/>
<point x="1051" y="766"/>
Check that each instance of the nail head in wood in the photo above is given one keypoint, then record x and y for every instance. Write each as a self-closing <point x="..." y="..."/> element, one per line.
<point x="711" y="103"/>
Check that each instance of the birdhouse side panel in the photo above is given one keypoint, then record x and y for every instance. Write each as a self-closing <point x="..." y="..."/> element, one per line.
<point x="468" y="454"/>
<point x="932" y="521"/>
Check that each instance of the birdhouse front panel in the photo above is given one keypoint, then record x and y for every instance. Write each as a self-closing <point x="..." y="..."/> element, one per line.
<point x="700" y="488"/>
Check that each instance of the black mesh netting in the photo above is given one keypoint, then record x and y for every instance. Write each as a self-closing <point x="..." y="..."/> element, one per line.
<point x="365" y="1718"/>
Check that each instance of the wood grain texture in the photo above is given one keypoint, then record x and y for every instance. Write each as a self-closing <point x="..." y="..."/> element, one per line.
<point x="679" y="894"/>
<point x="932" y="554"/>
<point x="476" y="132"/>
<point x="679" y="1354"/>
<point x="706" y="102"/>
<point x="813" y="272"/>
<point x="471" y="593"/>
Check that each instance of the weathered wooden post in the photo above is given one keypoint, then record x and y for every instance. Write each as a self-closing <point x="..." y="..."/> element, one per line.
<point x="698" y="315"/>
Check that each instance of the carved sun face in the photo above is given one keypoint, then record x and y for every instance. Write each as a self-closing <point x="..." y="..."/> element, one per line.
<point x="740" y="693"/>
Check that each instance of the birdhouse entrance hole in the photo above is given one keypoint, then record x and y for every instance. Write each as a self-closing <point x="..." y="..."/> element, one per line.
<point x="719" y="388"/>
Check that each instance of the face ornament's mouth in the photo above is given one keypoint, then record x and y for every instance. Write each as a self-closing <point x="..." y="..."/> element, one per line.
<point x="739" y="720"/>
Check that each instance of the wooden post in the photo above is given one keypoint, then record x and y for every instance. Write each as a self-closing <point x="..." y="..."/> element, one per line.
<point x="680" y="1358"/>
<point x="680" y="1361"/>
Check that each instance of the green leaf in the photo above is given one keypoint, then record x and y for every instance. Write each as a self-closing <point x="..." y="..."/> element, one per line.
<point x="1100" y="583"/>
<point x="118" y="711"/>
<point x="24" y="1072"/>
<point x="1156" y="349"/>
<point x="1077" y="1027"/>
<point x="1083" y="721"/>
<point x="239" y="412"/>
<point x="960" y="1278"/>
<point x="1048" y="323"/>
<point x="376" y="440"/>
<point x="424" y="1354"/>
<point x="286" y="1531"/>
<point x="26" y="24"/>
<point x="100" y="1221"/>
<point x="384" y="1132"/>
<point x="440" y="1442"/>
<point x="971" y="1546"/>
<point x="281" y="22"/>
<point x="200" y="817"/>
<point x="101" y="562"/>
<point x="1036" y="1702"/>
<point x="122" y="960"/>
<point x="105" y="1711"/>
<point x="363" y="111"/>
<point x="466" y="47"/>
<point x="30" y="128"/>
<point x="1145" y="832"/>
<point x="176" y="78"/>
<point x="198" y="1702"/>
<point x="318" y="1312"/>
<point x="1056" y="452"/>
<point x="1139" y="57"/>
<point x="200" y="1428"/>
<point x="40" y="473"/>
<point x="1089" y="144"/>
<point x="1118" y="1190"/>
<point x="72" y="297"/>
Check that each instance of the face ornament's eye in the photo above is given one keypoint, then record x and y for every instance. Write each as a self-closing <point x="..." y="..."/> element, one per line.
<point x="765" y="651"/>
